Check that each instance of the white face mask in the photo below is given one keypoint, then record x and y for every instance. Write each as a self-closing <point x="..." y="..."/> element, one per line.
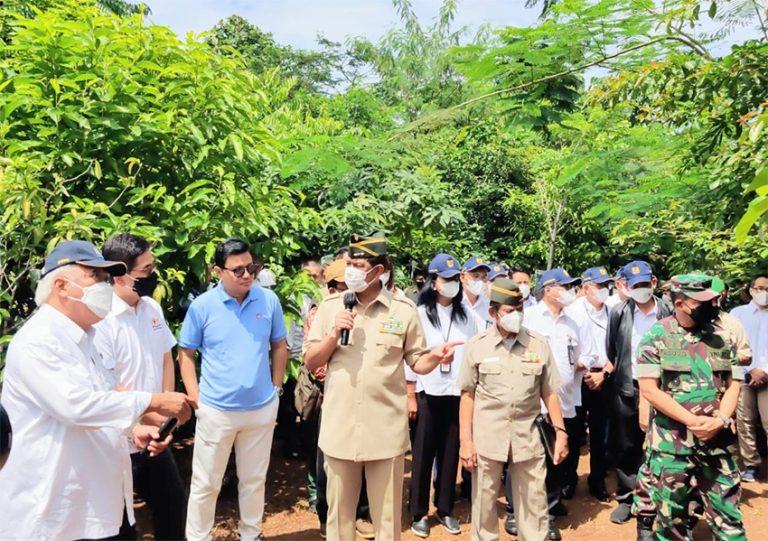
<point x="641" y="295"/>
<point x="525" y="289"/>
<point x="600" y="295"/>
<point x="476" y="287"/>
<point x="97" y="298"/>
<point x="448" y="289"/>
<point x="355" y="279"/>
<point x="760" y="297"/>
<point x="567" y="297"/>
<point x="385" y="278"/>
<point x="511" y="322"/>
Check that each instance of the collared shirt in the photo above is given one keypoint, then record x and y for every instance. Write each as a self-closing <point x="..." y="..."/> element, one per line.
<point x="234" y="339"/>
<point x="479" y="309"/>
<point x="365" y="414"/>
<point x="584" y="313"/>
<point x="755" y="322"/>
<point x="509" y="382"/>
<point x="570" y="346"/>
<point x="641" y="324"/>
<point x="530" y="301"/>
<point x="613" y="301"/>
<point x="69" y="472"/>
<point x="133" y="342"/>
<point x="438" y="382"/>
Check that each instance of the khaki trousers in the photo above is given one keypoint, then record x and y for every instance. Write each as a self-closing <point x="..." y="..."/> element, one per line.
<point x="528" y="495"/>
<point x="752" y="403"/>
<point x="384" y="479"/>
<point x="217" y="431"/>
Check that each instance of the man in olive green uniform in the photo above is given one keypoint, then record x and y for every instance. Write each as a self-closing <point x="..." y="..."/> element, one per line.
<point x="365" y="418"/>
<point x="688" y="370"/>
<point x="506" y="372"/>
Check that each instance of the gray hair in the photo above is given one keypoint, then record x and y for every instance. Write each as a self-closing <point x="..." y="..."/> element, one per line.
<point x="45" y="285"/>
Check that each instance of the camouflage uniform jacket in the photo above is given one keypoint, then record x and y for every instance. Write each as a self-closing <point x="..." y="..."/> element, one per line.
<point x="695" y="369"/>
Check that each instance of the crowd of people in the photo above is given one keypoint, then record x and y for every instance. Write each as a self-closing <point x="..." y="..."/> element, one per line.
<point x="492" y="381"/>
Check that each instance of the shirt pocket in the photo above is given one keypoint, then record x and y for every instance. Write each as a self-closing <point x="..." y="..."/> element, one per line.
<point x="528" y="382"/>
<point x="390" y="348"/>
<point x="491" y="378"/>
<point x="676" y="374"/>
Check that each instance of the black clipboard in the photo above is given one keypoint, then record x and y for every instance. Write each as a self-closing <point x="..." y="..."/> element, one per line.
<point x="548" y="435"/>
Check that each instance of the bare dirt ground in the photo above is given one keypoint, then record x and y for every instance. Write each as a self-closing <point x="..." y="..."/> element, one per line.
<point x="288" y="516"/>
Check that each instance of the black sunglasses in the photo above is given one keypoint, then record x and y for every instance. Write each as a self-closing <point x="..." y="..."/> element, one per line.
<point x="252" y="269"/>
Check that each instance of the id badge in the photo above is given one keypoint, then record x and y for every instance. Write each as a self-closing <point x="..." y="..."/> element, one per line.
<point x="445" y="368"/>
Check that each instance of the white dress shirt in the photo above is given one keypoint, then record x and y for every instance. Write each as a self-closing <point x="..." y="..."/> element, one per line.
<point x="479" y="310"/>
<point x="437" y="382"/>
<point x="641" y="324"/>
<point x="529" y="302"/>
<point x="755" y="322"/>
<point x="585" y="314"/>
<point x="613" y="301"/>
<point x="69" y="472"/>
<point x="570" y="345"/>
<point x="133" y="342"/>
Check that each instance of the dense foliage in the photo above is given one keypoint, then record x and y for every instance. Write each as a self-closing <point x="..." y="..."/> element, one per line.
<point x="505" y="142"/>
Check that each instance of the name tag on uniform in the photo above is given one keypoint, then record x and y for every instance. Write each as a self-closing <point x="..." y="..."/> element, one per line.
<point x="392" y="325"/>
<point x="676" y="360"/>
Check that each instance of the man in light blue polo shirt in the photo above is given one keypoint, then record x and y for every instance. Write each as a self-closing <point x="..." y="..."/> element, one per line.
<point x="236" y="326"/>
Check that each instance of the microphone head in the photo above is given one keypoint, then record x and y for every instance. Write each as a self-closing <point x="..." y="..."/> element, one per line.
<point x="350" y="300"/>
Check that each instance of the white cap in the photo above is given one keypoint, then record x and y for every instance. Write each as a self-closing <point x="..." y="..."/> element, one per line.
<point x="266" y="278"/>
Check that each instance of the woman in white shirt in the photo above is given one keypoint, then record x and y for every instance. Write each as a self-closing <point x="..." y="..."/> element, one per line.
<point x="436" y="439"/>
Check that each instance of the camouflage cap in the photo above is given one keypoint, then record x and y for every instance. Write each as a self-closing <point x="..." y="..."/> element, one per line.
<point x="373" y="246"/>
<point x="698" y="287"/>
<point x="506" y="291"/>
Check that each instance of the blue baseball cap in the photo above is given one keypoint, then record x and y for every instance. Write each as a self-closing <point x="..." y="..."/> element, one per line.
<point x="475" y="263"/>
<point x="557" y="276"/>
<point x="497" y="270"/>
<point x="596" y="275"/>
<point x="444" y="265"/>
<point x="637" y="272"/>
<point x="80" y="252"/>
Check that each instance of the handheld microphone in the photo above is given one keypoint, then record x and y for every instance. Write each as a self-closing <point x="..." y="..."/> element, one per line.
<point x="350" y="301"/>
<point x="165" y="429"/>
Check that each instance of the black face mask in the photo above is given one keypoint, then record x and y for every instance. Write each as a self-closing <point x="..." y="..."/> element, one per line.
<point x="146" y="286"/>
<point x="704" y="314"/>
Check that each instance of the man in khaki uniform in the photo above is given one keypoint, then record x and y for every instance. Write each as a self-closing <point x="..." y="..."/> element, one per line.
<point x="365" y="418"/>
<point x="507" y="370"/>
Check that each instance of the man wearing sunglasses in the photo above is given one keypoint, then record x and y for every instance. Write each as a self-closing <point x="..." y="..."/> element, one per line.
<point x="237" y="326"/>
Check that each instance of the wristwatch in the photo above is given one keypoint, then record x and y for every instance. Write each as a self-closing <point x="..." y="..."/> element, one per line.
<point x="607" y="375"/>
<point x="279" y="391"/>
<point x="726" y="421"/>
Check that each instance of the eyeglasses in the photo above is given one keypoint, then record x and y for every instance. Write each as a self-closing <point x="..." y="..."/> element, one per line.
<point x="760" y="288"/>
<point x="252" y="270"/>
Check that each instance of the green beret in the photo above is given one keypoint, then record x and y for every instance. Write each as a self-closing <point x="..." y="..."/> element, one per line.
<point x="506" y="291"/>
<point x="368" y="247"/>
<point x="699" y="287"/>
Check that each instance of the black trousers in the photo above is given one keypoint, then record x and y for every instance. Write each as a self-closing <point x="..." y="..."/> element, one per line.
<point x="626" y="440"/>
<point x="436" y="441"/>
<point x="594" y="414"/>
<point x="363" y="510"/>
<point x="157" y="481"/>
<point x="568" y="474"/>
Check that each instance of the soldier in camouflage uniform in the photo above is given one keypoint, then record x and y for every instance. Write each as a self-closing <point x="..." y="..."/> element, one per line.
<point x="689" y="372"/>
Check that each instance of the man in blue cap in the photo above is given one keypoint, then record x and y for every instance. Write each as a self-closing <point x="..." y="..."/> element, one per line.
<point x="573" y="351"/>
<point x="498" y="270"/>
<point x="591" y="311"/>
<point x="474" y="279"/>
<point x="71" y="477"/>
<point x="627" y="324"/>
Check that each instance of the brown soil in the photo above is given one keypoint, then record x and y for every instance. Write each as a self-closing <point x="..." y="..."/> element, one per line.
<point x="288" y="516"/>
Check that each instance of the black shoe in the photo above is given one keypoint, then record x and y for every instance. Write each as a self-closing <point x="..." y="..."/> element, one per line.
<point x="621" y="514"/>
<point x="421" y="527"/>
<point x="451" y="524"/>
<point x="558" y="510"/>
<point x="510" y="525"/>
<point x="554" y="532"/>
<point x="645" y="529"/>
<point x="567" y="492"/>
<point x="600" y="493"/>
